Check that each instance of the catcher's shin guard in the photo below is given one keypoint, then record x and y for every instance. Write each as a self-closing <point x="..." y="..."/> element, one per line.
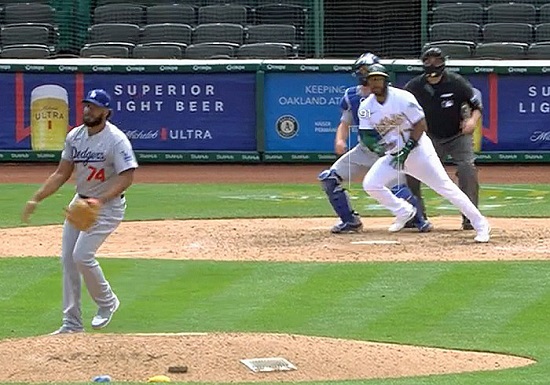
<point x="402" y="191"/>
<point x="337" y="195"/>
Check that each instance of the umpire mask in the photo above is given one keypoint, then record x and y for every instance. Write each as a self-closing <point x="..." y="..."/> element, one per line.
<point x="433" y="62"/>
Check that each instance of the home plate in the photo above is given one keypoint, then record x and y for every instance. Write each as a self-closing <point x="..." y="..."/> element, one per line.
<point x="381" y="242"/>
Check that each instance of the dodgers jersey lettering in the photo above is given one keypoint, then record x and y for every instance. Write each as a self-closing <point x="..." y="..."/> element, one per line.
<point x="393" y="120"/>
<point x="98" y="158"/>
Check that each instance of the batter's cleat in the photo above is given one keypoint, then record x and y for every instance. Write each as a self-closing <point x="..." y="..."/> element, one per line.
<point x="483" y="233"/>
<point x="354" y="226"/>
<point x="67" y="330"/>
<point x="467" y="225"/>
<point x="401" y="221"/>
<point x="425" y="226"/>
<point x="410" y="224"/>
<point x="104" y="315"/>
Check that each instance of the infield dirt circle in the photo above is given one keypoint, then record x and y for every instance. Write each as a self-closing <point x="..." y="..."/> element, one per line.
<point x="215" y="357"/>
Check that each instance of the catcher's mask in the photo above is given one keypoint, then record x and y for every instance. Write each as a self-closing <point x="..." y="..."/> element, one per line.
<point x="433" y="62"/>
<point x="361" y="66"/>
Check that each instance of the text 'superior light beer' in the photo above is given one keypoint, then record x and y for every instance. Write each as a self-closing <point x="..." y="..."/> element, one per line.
<point x="49" y="117"/>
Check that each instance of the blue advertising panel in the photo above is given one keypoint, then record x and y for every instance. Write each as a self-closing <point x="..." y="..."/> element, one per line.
<point x="516" y="110"/>
<point x="302" y="110"/>
<point x="206" y="112"/>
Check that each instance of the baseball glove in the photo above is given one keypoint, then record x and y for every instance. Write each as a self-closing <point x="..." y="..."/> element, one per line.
<point x="82" y="213"/>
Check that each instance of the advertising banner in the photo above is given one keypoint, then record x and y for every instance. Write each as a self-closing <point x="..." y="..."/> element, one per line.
<point x="302" y="110"/>
<point x="173" y="112"/>
<point x="515" y="111"/>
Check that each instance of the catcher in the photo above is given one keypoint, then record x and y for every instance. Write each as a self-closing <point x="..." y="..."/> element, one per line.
<point x="103" y="161"/>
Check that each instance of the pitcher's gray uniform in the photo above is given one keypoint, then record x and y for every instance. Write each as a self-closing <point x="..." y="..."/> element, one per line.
<point x="97" y="159"/>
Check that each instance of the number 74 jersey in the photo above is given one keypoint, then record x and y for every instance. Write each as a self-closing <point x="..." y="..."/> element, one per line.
<point x="98" y="158"/>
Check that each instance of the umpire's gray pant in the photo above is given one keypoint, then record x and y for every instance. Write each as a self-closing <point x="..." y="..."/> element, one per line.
<point x="461" y="149"/>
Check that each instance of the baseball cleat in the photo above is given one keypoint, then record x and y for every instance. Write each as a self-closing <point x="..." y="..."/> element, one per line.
<point x="354" y="226"/>
<point x="401" y="221"/>
<point x="483" y="234"/>
<point x="104" y="315"/>
<point x="410" y="224"/>
<point x="425" y="226"/>
<point x="67" y="330"/>
<point x="467" y="226"/>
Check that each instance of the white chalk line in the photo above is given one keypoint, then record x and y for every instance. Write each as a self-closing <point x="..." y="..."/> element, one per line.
<point x="376" y="242"/>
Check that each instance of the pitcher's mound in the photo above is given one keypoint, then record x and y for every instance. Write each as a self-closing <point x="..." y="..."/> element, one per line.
<point x="215" y="357"/>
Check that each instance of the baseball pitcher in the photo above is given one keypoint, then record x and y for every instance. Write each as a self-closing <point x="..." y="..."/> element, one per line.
<point x="359" y="159"/>
<point x="395" y="116"/>
<point x="103" y="161"/>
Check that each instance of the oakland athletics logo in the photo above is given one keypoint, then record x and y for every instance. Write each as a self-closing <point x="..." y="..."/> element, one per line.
<point x="287" y="126"/>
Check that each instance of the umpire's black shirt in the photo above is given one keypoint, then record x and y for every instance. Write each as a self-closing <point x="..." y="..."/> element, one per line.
<point x="442" y="102"/>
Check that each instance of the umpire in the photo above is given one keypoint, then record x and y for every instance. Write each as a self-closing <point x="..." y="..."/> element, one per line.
<point x="452" y="112"/>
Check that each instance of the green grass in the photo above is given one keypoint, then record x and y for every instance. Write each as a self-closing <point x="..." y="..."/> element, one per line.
<point x="493" y="306"/>
<point x="500" y="307"/>
<point x="179" y="201"/>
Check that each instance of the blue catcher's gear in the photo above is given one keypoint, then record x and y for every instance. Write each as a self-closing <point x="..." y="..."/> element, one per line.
<point x="365" y="60"/>
<point x="339" y="200"/>
<point x="402" y="191"/>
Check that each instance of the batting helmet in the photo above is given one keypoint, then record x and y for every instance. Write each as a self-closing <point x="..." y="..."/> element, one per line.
<point x="377" y="70"/>
<point x="363" y="61"/>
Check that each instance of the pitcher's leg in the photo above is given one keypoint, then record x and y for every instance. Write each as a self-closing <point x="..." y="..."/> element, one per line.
<point x="84" y="254"/>
<point x="375" y="182"/>
<point x="72" y="313"/>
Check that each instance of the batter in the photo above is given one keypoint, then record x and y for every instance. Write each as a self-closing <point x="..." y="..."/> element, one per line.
<point x="395" y="116"/>
<point x="103" y="161"/>
<point x="359" y="159"/>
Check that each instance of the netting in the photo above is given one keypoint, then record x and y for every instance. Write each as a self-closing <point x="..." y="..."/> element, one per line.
<point x="207" y="29"/>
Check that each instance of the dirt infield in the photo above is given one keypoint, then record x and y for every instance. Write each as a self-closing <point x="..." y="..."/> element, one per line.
<point x="215" y="356"/>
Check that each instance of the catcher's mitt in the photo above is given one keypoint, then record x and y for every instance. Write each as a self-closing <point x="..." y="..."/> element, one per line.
<point x="82" y="213"/>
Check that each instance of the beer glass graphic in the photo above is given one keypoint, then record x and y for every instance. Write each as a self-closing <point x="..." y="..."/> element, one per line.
<point x="49" y="117"/>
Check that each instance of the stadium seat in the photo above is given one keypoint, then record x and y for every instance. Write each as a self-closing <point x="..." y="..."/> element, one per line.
<point x="113" y="32"/>
<point x="235" y="14"/>
<point x="148" y="2"/>
<point x="210" y="51"/>
<point x="105" y="50"/>
<point x="119" y="13"/>
<point x="158" y="51"/>
<point x="539" y="51"/>
<point x="264" y="51"/>
<point x="544" y="14"/>
<point x="25" y="51"/>
<point x="500" y="51"/>
<point x="512" y="13"/>
<point x="29" y="13"/>
<point x="281" y="14"/>
<point x="13" y="34"/>
<point x="219" y="32"/>
<point x="459" y="13"/>
<point x="542" y="32"/>
<point x="271" y="33"/>
<point x="171" y="13"/>
<point x="440" y="2"/>
<point x="181" y="34"/>
<point x="455" y="31"/>
<point x="507" y="32"/>
<point x="453" y="49"/>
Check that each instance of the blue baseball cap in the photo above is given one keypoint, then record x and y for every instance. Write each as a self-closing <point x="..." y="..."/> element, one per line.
<point x="99" y="97"/>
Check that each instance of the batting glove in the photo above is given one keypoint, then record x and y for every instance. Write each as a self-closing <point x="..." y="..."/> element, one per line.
<point x="399" y="159"/>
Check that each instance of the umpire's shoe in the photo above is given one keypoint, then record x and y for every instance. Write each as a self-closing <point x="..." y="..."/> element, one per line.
<point x="353" y="226"/>
<point x="104" y="315"/>
<point x="467" y="225"/>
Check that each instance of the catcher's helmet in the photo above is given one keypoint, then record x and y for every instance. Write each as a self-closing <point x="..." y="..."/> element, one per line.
<point x="377" y="70"/>
<point x="364" y="60"/>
